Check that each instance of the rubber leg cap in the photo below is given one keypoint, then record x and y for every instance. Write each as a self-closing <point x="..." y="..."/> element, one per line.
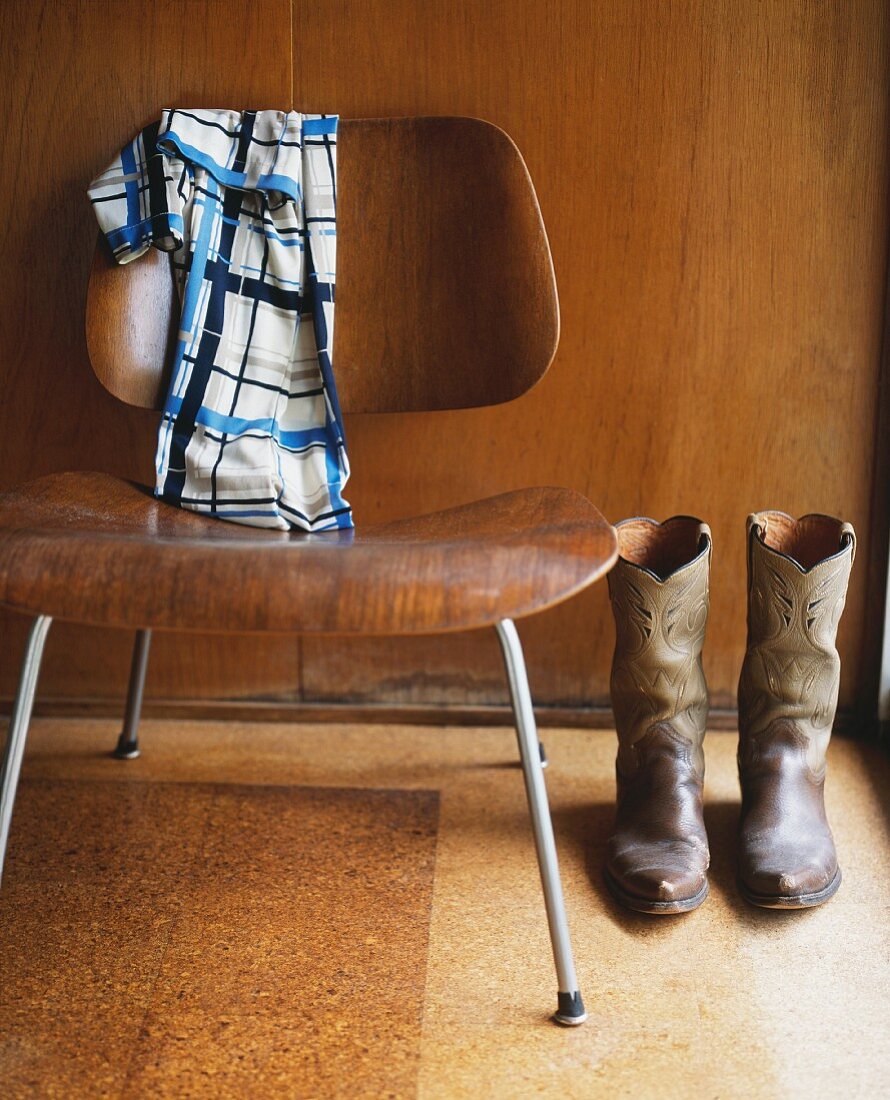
<point x="124" y="749"/>
<point x="570" y="1011"/>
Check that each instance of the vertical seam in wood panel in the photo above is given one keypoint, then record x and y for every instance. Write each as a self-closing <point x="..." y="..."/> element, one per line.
<point x="873" y="641"/>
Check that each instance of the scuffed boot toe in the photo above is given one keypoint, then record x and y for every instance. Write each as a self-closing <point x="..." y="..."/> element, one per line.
<point x="659" y="882"/>
<point x="793" y="885"/>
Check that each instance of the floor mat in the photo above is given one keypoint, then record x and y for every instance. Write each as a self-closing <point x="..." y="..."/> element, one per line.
<point x="181" y="939"/>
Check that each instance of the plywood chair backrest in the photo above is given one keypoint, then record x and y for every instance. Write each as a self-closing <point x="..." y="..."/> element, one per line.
<point x="446" y="297"/>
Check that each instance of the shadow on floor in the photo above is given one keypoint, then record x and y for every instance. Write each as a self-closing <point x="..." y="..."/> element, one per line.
<point x="874" y="760"/>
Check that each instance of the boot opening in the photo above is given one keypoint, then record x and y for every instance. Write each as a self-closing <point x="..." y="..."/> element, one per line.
<point x="807" y="540"/>
<point x="662" y="548"/>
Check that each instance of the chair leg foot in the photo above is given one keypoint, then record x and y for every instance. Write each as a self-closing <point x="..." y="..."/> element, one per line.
<point x="542" y="752"/>
<point x="570" y="1010"/>
<point x="18" y="726"/>
<point x="127" y="747"/>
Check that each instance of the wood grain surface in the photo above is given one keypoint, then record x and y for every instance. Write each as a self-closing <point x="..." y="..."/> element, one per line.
<point x="427" y="318"/>
<point x="91" y="548"/>
<point x="714" y="181"/>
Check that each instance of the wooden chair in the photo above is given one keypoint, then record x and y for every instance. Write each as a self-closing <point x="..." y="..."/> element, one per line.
<point x="467" y="316"/>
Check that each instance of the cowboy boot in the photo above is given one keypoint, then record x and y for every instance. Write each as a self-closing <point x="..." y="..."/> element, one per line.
<point x="797" y="583"/>
<point x="657" y="857"/>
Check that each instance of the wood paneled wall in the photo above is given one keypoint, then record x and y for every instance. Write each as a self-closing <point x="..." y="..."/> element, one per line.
<point x="714" y="179"/>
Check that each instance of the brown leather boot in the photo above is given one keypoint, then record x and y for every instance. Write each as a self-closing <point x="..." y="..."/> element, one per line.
<point x="797" y="583"/>
<point x="657" y="858"/>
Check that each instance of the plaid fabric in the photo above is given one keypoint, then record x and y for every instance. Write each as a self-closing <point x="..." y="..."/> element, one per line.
<point x="246" y="204"/>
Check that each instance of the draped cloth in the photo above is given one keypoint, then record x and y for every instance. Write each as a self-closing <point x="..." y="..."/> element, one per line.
<point x="245" y="202"/>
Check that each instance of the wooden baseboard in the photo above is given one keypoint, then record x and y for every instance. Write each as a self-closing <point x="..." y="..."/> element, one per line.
<point x="263" y="710"/>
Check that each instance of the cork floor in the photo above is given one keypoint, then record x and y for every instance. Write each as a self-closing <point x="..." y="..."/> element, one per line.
<point x="259" y="910"/>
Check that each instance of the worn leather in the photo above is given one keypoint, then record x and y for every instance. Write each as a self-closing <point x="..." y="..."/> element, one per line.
<point x="657" y="856"/>
<point x="798" y="572"/>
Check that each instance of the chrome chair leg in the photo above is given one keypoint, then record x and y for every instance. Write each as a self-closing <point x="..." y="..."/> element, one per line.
<point x="127" y="747"/>
<point x="570" y="1010"/>
<point x="18" y="726"/>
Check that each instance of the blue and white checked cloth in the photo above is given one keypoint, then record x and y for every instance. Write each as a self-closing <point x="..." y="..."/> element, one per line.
<point x="246" y="202"/>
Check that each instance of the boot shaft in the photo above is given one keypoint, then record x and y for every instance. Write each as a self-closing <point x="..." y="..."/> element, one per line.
<point x="659" y="594"/>
<point x="798" y="572"/>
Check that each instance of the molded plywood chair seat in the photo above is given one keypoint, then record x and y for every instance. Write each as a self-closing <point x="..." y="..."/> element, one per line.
<point x="445" y="299"/>
<point x="92" y="548"/>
